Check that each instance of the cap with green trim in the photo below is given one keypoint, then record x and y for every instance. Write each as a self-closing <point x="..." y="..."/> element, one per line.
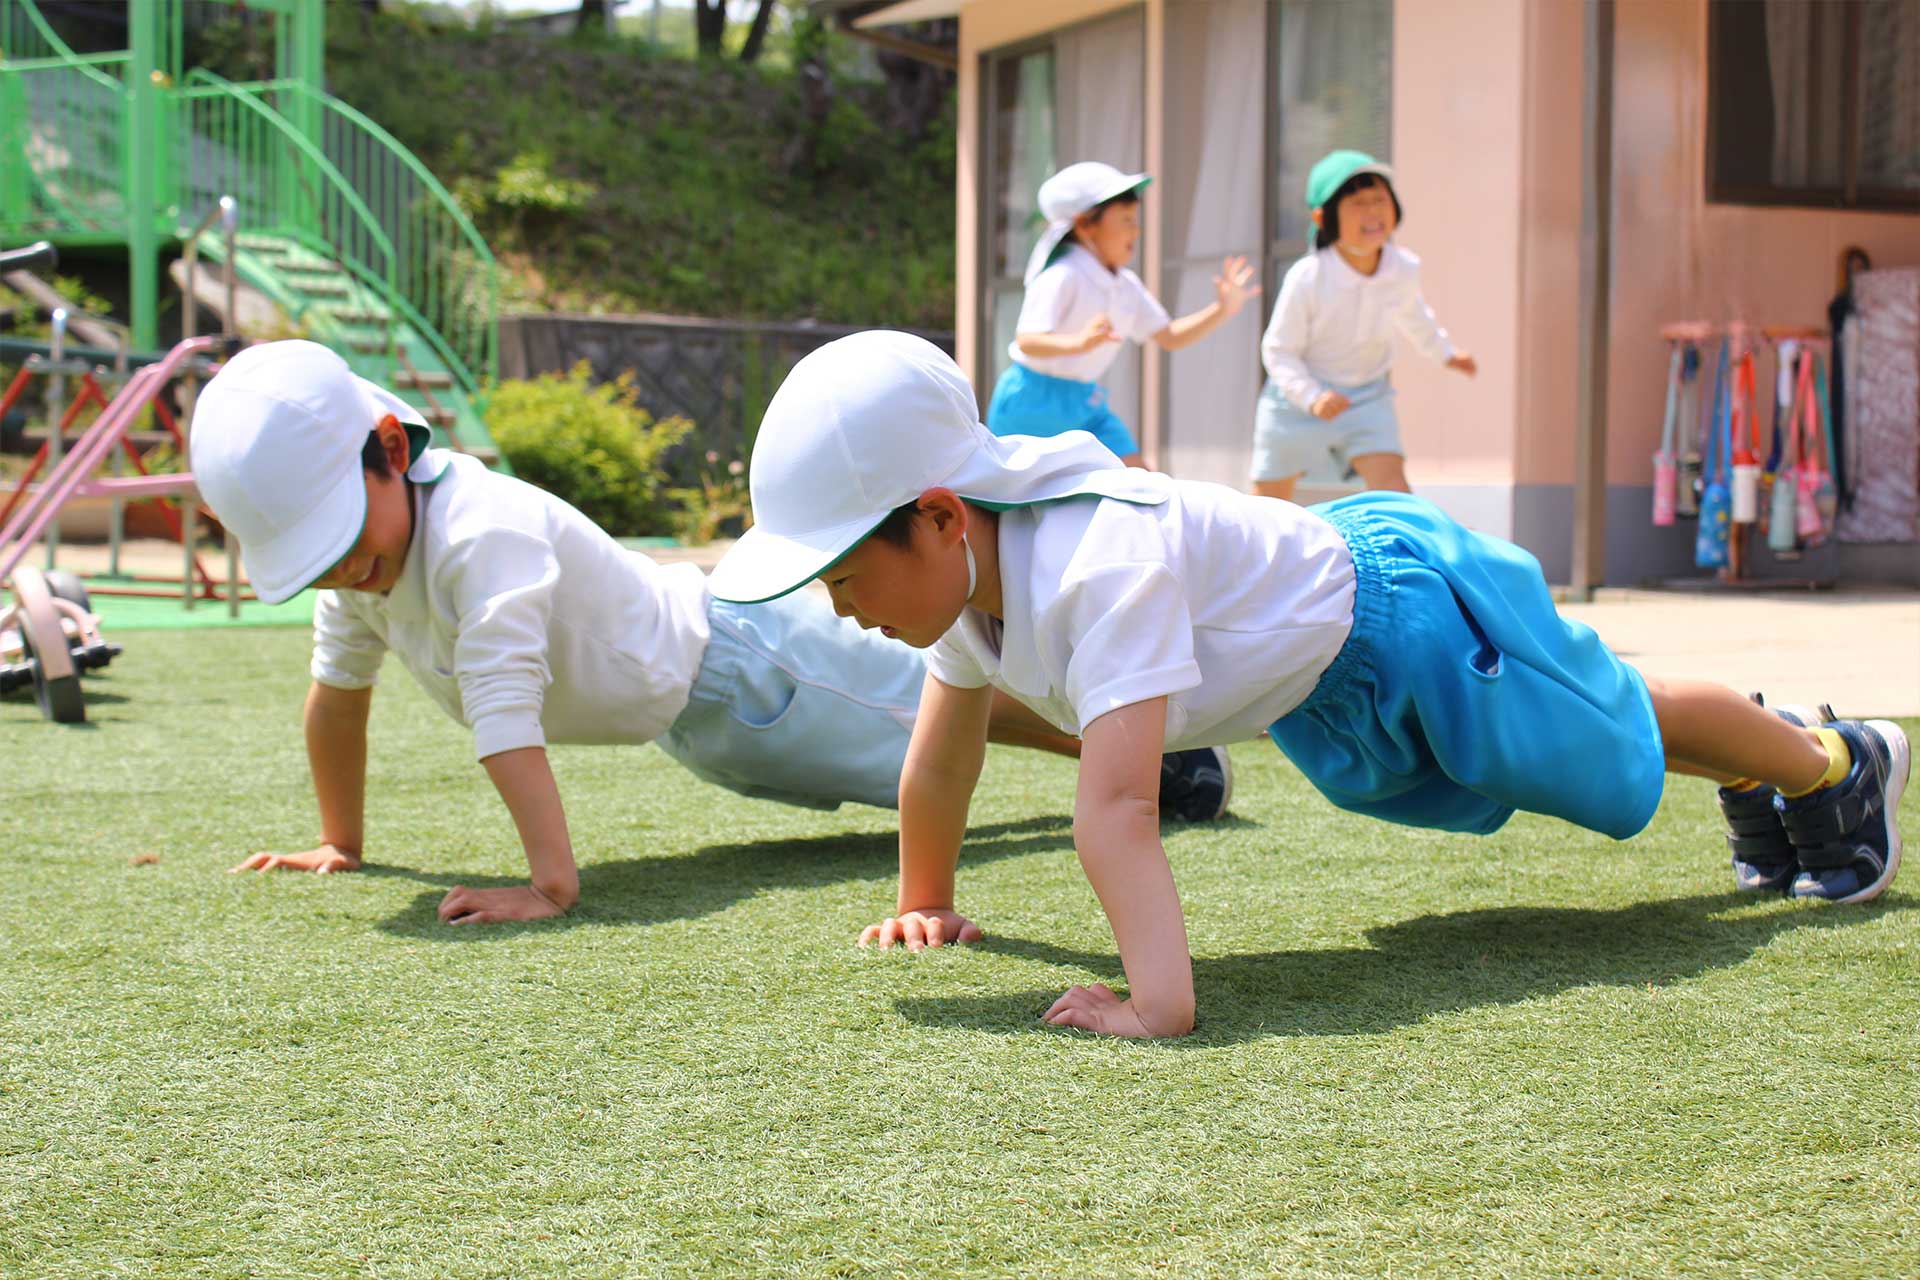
<point x="275" y="449"/>
<point x="1075" y="190"/>
<point x="1334" y="170"/>
<point x="870" y="422"/>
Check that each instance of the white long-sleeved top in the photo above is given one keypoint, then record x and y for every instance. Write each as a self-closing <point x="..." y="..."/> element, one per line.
<point x="1332" y="325"/>
<point x="523" y="619"/>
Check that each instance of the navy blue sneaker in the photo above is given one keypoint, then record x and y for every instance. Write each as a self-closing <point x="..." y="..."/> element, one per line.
<point x="1763" y="860"/>
<point x="1195" y="785"/>
<point x="1847" y="836"/>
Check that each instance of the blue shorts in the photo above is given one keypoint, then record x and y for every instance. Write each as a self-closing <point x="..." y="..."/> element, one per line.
<point x="1461" y="695"/>
<point x="1288" y="441"/>
<point x="1026" y="403"/>
<point x="797" y="704"/>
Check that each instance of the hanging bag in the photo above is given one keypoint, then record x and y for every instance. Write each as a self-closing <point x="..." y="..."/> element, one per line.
<point x="1782" y="536"/>
<point x="1687" y="484"/>
<point x="1666" y="473"/>
<point x="1745" y="434"/>
<point x="1716" y="499"/>
<point x="1808" y="477"/>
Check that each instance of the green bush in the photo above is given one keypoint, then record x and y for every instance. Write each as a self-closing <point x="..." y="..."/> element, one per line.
<point x="592" y="445"/>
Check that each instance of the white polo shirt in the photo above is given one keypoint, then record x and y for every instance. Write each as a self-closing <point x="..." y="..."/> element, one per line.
<point x="1231" y="605"/>
<point x="1333" y="325"/>
<point x="523" y="619"/>
<point x="1068" y="295"/>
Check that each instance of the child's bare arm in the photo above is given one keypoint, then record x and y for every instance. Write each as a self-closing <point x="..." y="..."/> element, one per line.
<point x="1116" y="829"/>
<point x="336" y="731"/>
<point x="948" y="747"/>
<point x="1232" y="288"/>
<point x="1098" y="332"/>
<point x="525" y="782"/>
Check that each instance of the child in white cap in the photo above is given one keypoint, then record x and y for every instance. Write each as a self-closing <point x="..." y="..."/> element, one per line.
<point x="1328" y="349"/>
<point x="1083" y="301"/>
<point x="1413" y="670"/>
<point x="528" y="624"/>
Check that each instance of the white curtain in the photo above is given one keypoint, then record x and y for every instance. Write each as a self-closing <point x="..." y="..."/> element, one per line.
<point x="1806" y="61"/>
<point x="1100" y="79"/>
<point x="1889" y="103"/>
<point x="1213" y="203"/>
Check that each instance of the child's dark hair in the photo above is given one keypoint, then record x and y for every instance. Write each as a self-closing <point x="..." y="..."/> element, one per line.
<point x="1099" y="211"/>
<point x="373" y="456"/>
<point x="1330" y="211"/>
<point x="897" y="529"/>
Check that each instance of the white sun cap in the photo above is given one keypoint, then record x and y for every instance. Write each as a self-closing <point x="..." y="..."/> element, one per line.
<point x="1068" y="194"/>
<point x="275" y="448"/>
<point x="870" y="422"/>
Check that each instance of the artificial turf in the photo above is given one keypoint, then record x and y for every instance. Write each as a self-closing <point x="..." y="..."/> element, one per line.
<point x="1536" y="1054"/>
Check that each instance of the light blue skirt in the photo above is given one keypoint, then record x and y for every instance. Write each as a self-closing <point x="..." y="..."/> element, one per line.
<point x="1288" y="441"/>
<point x="1462" y="695"/>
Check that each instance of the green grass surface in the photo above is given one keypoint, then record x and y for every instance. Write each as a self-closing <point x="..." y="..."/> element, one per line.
<point x="1419" y="1055"/>
<point x="152" y="613"/>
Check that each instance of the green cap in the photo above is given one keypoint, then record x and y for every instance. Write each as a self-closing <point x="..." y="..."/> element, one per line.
<point x="1334" y="169"/>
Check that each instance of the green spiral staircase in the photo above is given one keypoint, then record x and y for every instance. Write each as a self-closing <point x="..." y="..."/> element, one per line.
<point x="343" y="229"/>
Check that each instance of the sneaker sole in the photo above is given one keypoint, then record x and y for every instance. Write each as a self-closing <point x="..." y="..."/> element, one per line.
<point x="1900" y="754"/>
<point x="1226" y="781"/>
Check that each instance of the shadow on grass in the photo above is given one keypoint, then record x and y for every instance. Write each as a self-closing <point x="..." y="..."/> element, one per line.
<point x="1415" y="969"/>
<point x="679" y="887"/>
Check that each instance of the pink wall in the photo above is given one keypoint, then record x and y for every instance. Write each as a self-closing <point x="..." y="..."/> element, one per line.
<point x="1458" y="126"/>
<point x="1677" y="257"/>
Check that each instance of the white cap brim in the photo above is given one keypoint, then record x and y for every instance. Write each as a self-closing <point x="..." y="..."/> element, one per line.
<point x="1001" y="471"/>
<point x="283" y="566"/>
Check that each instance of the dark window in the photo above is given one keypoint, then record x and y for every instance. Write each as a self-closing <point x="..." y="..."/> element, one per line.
<point x="1814" y="102"/>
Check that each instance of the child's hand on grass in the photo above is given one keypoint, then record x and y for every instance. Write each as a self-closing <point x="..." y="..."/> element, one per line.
<point x="1097" y="1008"/>
<point x="323" y="860"/>
<point x="1230" y="287"/>
<point x="921" y="929"/>
<point x="1099" y="330"/>
<point x="496" y="906"/>
<point x="1463" y="362"/>
<point x="1329" y="405"/>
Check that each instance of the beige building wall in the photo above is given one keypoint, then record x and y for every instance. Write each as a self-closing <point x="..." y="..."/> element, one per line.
<point x="1488" y="125"/>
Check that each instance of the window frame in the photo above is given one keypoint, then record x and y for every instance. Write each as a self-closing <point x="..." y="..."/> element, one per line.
<point x="1850" y="196"/>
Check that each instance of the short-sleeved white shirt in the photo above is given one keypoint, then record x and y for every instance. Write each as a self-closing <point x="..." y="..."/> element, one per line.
<point x="523" y="619"/>
<point x="1068" y="295"/>
<point x="1229" y="604"/>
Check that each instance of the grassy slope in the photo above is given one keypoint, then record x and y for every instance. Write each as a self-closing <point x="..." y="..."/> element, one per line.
<point x="697" y="212"/>
<point x="1420" y="1055"/>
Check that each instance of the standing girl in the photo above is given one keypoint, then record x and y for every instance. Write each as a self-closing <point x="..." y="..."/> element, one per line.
<point x="1083" y="301"/>
<point x="1329" y="347"/>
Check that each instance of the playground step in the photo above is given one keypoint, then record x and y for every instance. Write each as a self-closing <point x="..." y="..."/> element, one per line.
<point x="368" y="346"/>
<point x="263" y="244"/>
<point x="421" y="379"/>
<point x="359" y="315"/>
<point x="320" y="286"/>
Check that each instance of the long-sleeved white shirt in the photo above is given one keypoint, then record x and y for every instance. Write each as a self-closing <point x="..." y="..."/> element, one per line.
<point x="1332" y="325"/>
<point x="523" y="619"/>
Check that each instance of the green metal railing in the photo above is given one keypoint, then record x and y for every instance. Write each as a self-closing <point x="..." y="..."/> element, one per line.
<point x="88" y="141"/>
<point x="228" y="141"/>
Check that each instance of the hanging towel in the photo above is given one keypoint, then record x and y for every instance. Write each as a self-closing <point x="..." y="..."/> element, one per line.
<point x="1885" y="397"/>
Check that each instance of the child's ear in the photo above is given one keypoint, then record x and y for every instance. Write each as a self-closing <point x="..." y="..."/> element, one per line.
<point x="393" y="442"/>
<point x="1318" y="216"/>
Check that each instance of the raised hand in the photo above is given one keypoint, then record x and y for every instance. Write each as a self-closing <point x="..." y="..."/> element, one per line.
<point x="1233" y="285"/>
